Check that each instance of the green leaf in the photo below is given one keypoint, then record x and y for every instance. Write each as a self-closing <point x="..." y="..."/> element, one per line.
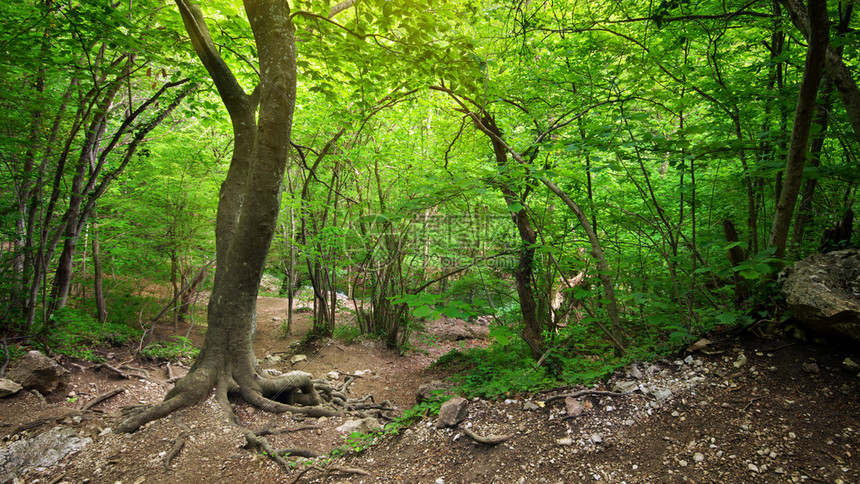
<point x="422" y="311"/>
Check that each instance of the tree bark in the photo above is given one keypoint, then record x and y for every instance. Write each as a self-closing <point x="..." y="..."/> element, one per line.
<point x="812" y="74"/>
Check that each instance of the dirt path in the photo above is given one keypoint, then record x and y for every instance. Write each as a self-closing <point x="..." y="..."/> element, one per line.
<point x="770" y="419"/>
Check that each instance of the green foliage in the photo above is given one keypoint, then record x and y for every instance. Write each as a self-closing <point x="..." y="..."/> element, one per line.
<point x="76" y="334"/>
<point x="348" y="333"/>
<point x="175" y="349"/>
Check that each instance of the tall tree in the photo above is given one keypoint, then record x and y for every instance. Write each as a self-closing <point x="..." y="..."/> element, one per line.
<point x="812" y="73"/>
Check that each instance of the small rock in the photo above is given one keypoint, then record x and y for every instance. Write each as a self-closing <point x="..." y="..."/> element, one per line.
<point x="753" y="468"/>
<point x="440" y="481"/>
<point x="682" y="463"/>
<point x="530" y="405"/>
<point x="625" y="386"/>
<point x="698" y="457"/>
<point x="635" y="372"/>
<point x="573" y="407"/>
<point x="811" y="367"/>
<point x="660" y="393"/>
<point x="850" y="365"/>
<point x="364" y="426"/>
<point x="740" y="361"/>
<point x="596" y="438"/>
<point x="629" y="422"/>
<point x="363" y="373"/>
<point x="272" y="359"/>
<point x="332" y="375"/>
<point x="298" y="359"/>
<point x="452" y="412"/>
<point x="9" y="387"/>
<point x="564" y="441"/>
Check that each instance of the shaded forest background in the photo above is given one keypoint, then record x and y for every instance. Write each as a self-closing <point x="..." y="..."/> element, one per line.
<point x="606" y="180"/>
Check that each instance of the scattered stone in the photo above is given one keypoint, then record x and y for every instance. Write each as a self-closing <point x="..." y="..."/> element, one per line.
<point x="35" y="371"/>
<point x="564" y="441"/>
<point x="452" y="412"/>
<point x="363" y="373"/>
<point x="9" y="387"/>
<point x="699" y="457"/>
<point x="635" y="372"/>
<point x="364" y="426"/>
<point x="44" y="450"/>
<point x="435" y="390"/>
<point x="298" y="359"/>
<point x="596" y="438"/>
<point x="740" y="361"/>
<point x="753" y="468"/>
<point x="811" y="367"/>
<point x="271" y="359"/>
<point x="850" y="365"/>
<point x="332" y="375"/>
<point x="660" y="394"/>
<point x="682" y="463"/>
<point x="573" y="407"/>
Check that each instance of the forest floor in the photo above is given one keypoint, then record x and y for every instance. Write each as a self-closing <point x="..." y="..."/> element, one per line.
<point x="748" y="409"/>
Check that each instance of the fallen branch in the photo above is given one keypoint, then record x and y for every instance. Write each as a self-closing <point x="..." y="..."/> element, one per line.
<point x="589" y="392"/>
<point x="115" y="371"/>
<point x="489" y="440"/>
<point x="99" y="399"/>
<point x="328" y="470"/>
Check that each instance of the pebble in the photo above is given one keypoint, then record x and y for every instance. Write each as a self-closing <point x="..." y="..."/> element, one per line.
<point x="698" y="457"/>
<point x="753" y="468"/>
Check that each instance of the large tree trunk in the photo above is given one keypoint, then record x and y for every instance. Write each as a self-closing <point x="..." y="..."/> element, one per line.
<point x="250" y="200"/>
<point x="812" y="73"/>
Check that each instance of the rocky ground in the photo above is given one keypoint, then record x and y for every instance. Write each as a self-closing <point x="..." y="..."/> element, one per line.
<point x="746" y="409"/>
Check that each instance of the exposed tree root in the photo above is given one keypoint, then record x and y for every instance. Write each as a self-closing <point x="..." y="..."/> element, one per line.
<point x="270" y="431"/>
<point x="298" y="452"/>
<point x="261" y="445"/>
<point x="178" y="444"/>
<point x="329" y="470"/>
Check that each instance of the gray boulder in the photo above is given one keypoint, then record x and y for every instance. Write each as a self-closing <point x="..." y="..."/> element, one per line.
<point x="823" y="292"/>
<point x="435" y="390"/>
<point x="44" y="450"/>
<point x="452" y="412"/>
<point x="35" y="371"/>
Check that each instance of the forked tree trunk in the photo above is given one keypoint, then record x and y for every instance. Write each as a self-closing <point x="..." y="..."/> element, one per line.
<point x="247" y="215"/>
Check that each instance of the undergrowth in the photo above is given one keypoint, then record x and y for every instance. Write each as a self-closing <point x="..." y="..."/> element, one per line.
<point x="175" y="349"/>
<point x="76" y="334"/>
